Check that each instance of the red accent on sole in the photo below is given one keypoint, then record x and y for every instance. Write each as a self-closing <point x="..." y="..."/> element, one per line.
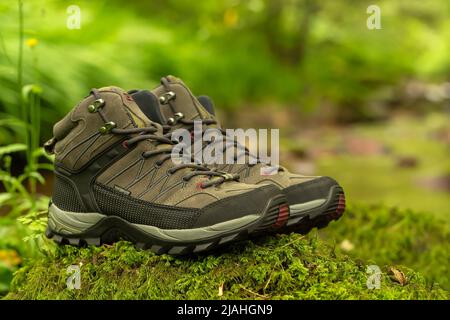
<point x="283" y="216"/>
<point x="340" y="207"/>
<point x="341" y="204"/>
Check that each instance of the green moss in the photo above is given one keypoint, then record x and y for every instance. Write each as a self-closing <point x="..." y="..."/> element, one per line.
<point x="277" y="267"/>
<point x="391" y="236"/>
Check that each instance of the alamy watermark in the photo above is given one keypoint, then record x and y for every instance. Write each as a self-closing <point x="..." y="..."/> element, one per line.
<point x="374" y="278"/>
<point x="374" y="20"/>
<point x="73" y="17"/>
<point x="74" y="279"/>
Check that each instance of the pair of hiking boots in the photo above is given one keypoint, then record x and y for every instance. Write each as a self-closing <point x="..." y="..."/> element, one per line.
<point x="115" y="179"/>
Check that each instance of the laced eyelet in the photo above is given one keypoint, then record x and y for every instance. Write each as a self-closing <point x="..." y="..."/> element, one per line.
<point x="107" y="127"/>
<point x="229" y="177"/>
<point x="98" y="103"/>
<point x="158" y="164"/>
<point x="125" y="144"/>
<point x="166" y="97"/>
<point x="171" y="121"/>
<point x="143" y="155"/>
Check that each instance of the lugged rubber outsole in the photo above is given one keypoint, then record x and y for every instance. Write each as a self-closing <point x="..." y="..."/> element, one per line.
<point x="319" y="217"/>
<point x="113" y="228"/>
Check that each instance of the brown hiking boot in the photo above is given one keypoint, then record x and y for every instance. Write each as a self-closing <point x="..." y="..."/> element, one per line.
<point x="314" y="201"/>
<point x="115" y="179"/>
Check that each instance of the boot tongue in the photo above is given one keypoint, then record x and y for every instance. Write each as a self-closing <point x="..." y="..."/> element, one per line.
<point x="149" y="105"/>
<point x="183" y="101"/>
<point x="130" y="108"/>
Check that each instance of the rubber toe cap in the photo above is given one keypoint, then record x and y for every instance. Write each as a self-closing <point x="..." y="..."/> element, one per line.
<point x="249" y="203"/>
<point x="318" y="188"/>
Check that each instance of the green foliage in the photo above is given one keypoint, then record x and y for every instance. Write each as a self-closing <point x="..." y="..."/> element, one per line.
<point x="301" y="53"/>
<point x="21" y="231"/>
<point x="13" y="249"/>
<point x="277" y="267"/>
<point x="19" y="198"/>
<point x="16" y="196"/>
<point x="15" y="147"/>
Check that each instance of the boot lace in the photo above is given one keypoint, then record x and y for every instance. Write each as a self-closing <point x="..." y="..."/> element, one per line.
<point x="148" y="133"/>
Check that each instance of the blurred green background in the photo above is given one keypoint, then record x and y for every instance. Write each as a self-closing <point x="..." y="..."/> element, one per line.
<point x="368" y="107"/>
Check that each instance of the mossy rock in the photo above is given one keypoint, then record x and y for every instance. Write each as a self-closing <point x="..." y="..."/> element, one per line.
<point x="277" y="267"/>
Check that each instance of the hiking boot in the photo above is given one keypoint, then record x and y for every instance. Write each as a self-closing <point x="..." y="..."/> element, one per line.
<point x="313" y="201"/>
<point x="115" y="179"/>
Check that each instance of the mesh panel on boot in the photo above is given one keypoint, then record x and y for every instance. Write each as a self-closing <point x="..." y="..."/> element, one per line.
<point x="113" y="202"/>
<point x="65" y="196"/>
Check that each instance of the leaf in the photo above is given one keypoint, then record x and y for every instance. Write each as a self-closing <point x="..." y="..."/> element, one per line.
<point x="30" y="89"/>
<point x="36" y="175"/>
<point x="12" y="148"/>
<point x="397" y="276"/>
<point x="11" y="122"/>
<point x="45" y="166"/>
<point x="4" y="197"/>
<point x="25" y="220"/>
<point x="40" y="152"/>
<point x="15" y="183"/>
